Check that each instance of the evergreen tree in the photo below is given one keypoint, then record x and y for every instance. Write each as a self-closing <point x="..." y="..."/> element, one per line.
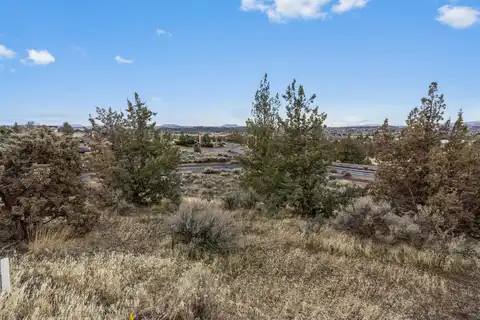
<point x="351" y="150"/>
<point x="403" y="170"/>
<point x="418" y="170"/>
<point x="16" y="128"/>
<point x="40" y="182"/>
<point x="286" y="159"/>
<point x="143" y="160"/>
<point x="259" y="162"/>
<point x="66" y="128"/>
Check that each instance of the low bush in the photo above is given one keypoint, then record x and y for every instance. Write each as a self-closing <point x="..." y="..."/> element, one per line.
<point x="210" y="170"/>
<point x="239" y="200"/>
<point x="379" y="221"/>
<point x="201" y="229"/>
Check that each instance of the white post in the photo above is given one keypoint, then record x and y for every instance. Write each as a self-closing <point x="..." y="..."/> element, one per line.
<point x="5" y="273"/>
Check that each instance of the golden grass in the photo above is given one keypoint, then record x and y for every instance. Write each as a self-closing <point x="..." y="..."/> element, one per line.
<point x="127" y="265"/>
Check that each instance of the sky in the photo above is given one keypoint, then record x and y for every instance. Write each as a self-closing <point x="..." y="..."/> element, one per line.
<point x="200" y="62"/>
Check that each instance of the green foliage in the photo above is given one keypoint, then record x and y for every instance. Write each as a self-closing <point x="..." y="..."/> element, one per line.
<point x="239" y="199"/>
<point x="40" y="182"/>
<point x="16" y="128"/>
<point x="286" y="158"/>
<point x="30" y="125"/>
<point x="350" y="150"/>
<point x="142" y="161"/>
<point x="207" y="141"/>
<point x="66" y="128"/>
<point x="186" y="140"/>
<point x="417" y="170"/>
<point x="197" y="148"/>
<point x="235" y="137"/>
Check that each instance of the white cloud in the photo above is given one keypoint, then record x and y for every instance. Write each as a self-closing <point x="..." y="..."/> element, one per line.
<point x="282" y="10"/>
<point x="347" y="5"/>
<point x="6" y="53"/>
<point x="40" y="57"/>
<point x="163" y="32"/>
<point x="122" y="60"/>
<point x="458" y="17"/>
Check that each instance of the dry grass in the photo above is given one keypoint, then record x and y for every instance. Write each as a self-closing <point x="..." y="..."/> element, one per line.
<point x="210" y="186"/>
<point x="127" y="265"/>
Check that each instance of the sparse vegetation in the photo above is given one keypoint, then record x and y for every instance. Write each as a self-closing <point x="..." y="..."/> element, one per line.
<point x="275" y="240"/>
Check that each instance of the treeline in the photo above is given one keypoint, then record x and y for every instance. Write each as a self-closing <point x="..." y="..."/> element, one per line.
<point x="432" y="189"/>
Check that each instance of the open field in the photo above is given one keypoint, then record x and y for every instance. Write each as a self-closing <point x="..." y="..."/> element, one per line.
<point x="278" y="269"/>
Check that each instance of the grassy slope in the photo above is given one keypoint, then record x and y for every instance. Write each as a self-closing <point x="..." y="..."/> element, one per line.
<point x="127" y="264"/>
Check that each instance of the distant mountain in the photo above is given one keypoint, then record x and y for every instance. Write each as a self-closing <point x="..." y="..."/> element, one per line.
<point x="171" y="126"/>
<point x="473" y="123"/>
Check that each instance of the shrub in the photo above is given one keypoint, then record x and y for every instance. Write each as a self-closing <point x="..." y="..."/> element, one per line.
<point x="40" y="182"/>
<point x="378" y="220"/>
<point x="346" y="174"/>
<point x="210" y="170"/>
<point x="239" y="199"/>
<point x="206" y="231"/>
<point x="197" y="148"/>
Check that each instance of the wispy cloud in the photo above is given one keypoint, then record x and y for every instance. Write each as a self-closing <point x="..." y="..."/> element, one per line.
<point x="38" y="57"/>
<point x="161" y="32"/>
<point x="283" y="10"/>
<point x="347" y="5"/>
<point x="122" y="60"/>
<point x="458" y="17"/>
<point x="6" y="53"/>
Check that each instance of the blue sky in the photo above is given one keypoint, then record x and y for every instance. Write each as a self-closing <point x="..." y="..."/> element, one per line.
<point x="200" y="62"/>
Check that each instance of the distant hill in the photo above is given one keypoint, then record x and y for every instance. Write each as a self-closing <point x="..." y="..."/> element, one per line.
<point x="473" y="123"/>
<point x="230" y="126"/>
<point x="170" y="126"/>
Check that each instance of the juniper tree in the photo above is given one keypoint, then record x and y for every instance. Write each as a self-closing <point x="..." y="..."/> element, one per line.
<point x="351" y="150"/>
<point x="66" y="128"/>
<point x="16" y="128"/>
<point x="418" y="170"/>
<point x="40" y="181"/>
<point x="142" y="160"/>
<point x="403" y="170"/>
